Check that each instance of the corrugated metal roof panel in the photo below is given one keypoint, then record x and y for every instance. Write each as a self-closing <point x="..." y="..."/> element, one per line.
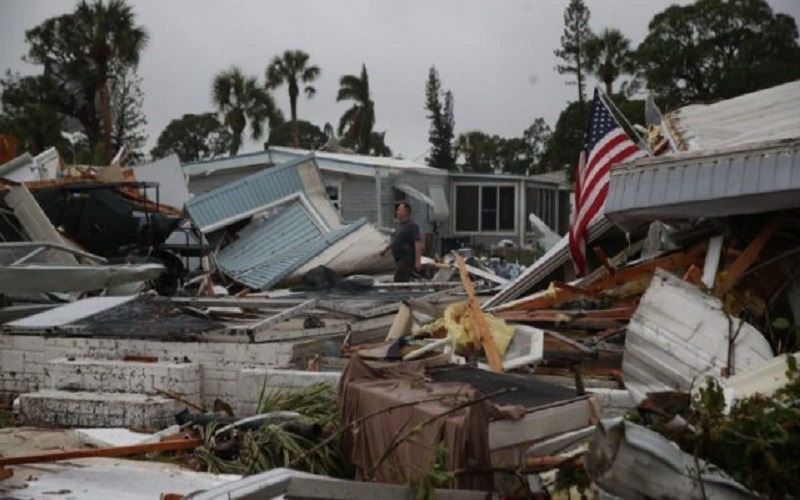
<point x="247" y="194"/>
<point x="270" y="250"/>
<point x="679" y="334"/>
<point x="763" y="178"/>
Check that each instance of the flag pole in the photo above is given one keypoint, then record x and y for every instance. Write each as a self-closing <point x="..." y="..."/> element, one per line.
<point x="613" y="107"/>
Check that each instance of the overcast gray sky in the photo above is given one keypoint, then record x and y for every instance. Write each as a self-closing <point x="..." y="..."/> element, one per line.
<point x="496" y="56"/>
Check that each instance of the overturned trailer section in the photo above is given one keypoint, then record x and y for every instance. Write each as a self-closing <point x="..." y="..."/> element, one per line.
<point x="276" y="224"/>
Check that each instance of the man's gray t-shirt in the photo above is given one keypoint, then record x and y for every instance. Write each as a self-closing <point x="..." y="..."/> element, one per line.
<point x="403" y="239"/>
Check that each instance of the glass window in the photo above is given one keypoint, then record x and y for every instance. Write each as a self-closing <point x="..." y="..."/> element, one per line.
<point x="506" y="204"/>
<point x="489" y="208"/>
<point x="485" y="208"/>
<point x="467" y="208"/>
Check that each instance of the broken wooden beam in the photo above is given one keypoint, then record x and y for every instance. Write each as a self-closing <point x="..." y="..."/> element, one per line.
<point x="557" y="295"/>
<point x="601" y="256"/>
<point x="680" y="260"/>
<point x="728" y="278"/>
<point x="486" y="338"/>
<point x="114" y="451"/>
<point x="576" y="318"/>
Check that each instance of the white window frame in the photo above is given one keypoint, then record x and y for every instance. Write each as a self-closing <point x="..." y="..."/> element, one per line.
<point x="480" y="186"/>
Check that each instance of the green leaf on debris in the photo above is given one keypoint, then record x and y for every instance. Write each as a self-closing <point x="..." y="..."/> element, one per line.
<point x="757" y="443"/>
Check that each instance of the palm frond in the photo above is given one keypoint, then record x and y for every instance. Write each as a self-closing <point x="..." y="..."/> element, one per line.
<point x="348" y="118"/>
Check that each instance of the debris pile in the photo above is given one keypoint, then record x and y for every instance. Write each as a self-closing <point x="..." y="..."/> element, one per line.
<point x="265" y="326"/>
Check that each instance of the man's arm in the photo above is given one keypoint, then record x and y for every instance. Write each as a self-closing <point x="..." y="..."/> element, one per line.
<point x="417" y="255"/>
<point x="386" y="249"/>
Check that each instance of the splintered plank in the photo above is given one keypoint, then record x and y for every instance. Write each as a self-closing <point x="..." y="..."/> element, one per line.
<point x="672" y="262"/>
<point x="591" y="319"/>
<point x="727" y="278"/>
<point x="487" y="341"/>
<point x="116" y="451"/>
<point x="561" y="293"/>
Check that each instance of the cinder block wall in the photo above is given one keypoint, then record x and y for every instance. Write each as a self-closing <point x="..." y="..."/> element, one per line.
<point x="23" y="360"/>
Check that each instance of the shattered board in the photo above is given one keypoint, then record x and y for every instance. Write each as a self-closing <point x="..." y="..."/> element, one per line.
<point x="139" y="317"/>
<point x="528" y="392"/>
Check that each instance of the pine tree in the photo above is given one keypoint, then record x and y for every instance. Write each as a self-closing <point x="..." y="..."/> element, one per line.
<point x="440" y="108"/>
<point x="576" y="33"/>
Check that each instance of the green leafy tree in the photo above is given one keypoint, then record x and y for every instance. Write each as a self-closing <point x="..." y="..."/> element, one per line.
<point x="513" y="156"/>
<point x="359" y="119"/>
<point x="479" y="151"/>
<point x="240" y="100"/>
<point x="439" y="105"/>
<point x="81" y="51"/>
<point x="715" y="49"/>
<point x="571" y="52"/>
<point x="608" y="56"/>
<point x="538" y="145"/>
<point x="293" y="69"/>
<point x="29" y="112"/>
<point x="193" y="138"/>
<point x="311" y="137"/>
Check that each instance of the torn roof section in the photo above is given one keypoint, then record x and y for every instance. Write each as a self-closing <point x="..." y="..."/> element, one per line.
<point x="261" y="191"/>
<point x="269" y="250"/>
<point x="334" y="162"/>
<point x="766" y="115"/>
<point x="740" y="156"/>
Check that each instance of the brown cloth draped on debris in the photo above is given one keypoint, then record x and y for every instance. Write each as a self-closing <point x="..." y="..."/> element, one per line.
<point x="364" y="390"/>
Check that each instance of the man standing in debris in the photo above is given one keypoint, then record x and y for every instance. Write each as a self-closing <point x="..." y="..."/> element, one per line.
<point x="406" y="244"/>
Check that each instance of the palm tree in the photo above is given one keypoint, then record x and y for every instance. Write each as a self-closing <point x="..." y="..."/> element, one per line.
<point x="113" y="39"/>
<point x="292" y="68"/>
<point x="240" y="99"/>
<point x="360" y="118"/>
<point x="608" y="55"/>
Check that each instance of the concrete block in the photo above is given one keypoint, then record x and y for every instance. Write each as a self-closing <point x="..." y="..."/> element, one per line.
<point x="123" y="376"/>
<point x="253" y="379"/>
<point x="93" y="409"/>
<point x="12" y="360"/>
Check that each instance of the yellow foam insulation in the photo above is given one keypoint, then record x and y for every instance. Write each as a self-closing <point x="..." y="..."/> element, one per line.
<point x="462" y="329"/>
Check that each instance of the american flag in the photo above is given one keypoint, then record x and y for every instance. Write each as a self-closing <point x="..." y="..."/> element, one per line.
<point x="605" y="145"/>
